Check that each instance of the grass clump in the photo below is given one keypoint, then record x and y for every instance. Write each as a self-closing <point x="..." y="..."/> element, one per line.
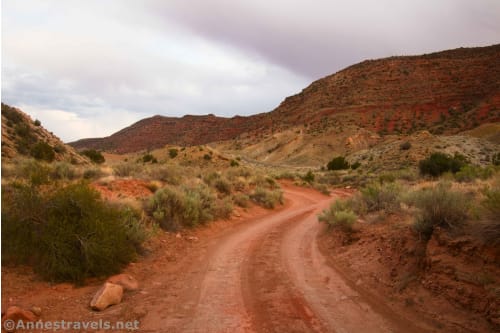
<point x="267" y="198"/>
<point x="339" y="215"/>
<point x="469" y="173"/>
<point x="439" y="206"/>
<point x="67" y="233"/>
<point x="125" y="169"/>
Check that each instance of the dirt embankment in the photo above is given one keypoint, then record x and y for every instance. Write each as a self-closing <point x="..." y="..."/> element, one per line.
<point x="449" y="284"/>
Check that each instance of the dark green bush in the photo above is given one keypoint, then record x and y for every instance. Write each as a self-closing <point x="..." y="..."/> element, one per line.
<point x="94" y="155"/>
<point x="439" y="163"/>
<point x="234" y="163"/>
<point x="37" y="123"/>
<point x="355" y="165"/>
<point x="173" y="152"/>
<point x="149" y="158"/>
<point x="43" y="151"/>
<point x="338" y="163"/>
<point x="68" y="233"/>
<point x="207" y="157"/>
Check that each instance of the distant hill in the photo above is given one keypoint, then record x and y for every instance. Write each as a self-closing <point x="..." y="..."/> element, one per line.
<point x="445" y="92"/>
<point x="23" y="136"/>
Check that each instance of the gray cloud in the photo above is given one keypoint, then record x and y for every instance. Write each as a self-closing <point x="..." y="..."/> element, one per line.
<point x="92" y="67"/>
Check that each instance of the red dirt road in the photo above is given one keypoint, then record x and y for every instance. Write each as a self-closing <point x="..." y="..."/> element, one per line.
<point x="269" y="276"/>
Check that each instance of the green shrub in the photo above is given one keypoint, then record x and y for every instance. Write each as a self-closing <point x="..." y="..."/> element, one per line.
<point x="241" y="200"/>
<point x="339" y="215"/>
<point x="234" y="163"/>
<point x="174" y="208"/>
<point x="439" y="163"/>
<point x="68" y="234"/>
<point x="267" y="198"/>
<point x="355" y="165"/>
<point x="381" y="196"/>
<point x="36" y="173"/>
<point x="43" y="151"/>
<point x="469" y="173"/>
<point x="207" y="157"/>
<point x="439" y="206"/>
<point x="166" y="173"/>
<point x="94" y="155"/>
<point x="125" y="169"/>
<point x="338" y="163"/>
<point x="37" y="123"/>
<point x="149" y="158"/>
<point x="308" y="177"/>
<point x="63" y="170"/>
<point x="222" y="186"/>
<point x="173" y="152"/>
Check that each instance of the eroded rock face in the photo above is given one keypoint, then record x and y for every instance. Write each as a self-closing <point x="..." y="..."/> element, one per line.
<point x="109" y="294"/>
<point x="14" y="314"/>
<point x="127" y="281"/>
<point x="447" y="91"/>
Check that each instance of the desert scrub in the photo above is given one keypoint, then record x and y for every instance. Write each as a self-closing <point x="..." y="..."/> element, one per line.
<point x="267" y="198"/>
<point x="67" y="233"/>
<point x="339" y="215"/>
<point x="439" y="206"/>
<point x="174" y="208"/>
<point x="241" y="199"/>
<point x="63" y="170"/>
<point x="125" y="169"/>
<point x="379" y="196"/>
<point x="438" y="163"/>
<point x="94" y="155"/>
<point x="170" y="174"/>
<point x="469" y="173"/>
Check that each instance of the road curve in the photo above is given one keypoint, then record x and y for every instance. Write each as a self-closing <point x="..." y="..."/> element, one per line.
<point x="269" y="276"/>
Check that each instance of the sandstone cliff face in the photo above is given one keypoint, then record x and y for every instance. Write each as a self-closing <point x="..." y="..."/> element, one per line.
<point x="445" y="92"/>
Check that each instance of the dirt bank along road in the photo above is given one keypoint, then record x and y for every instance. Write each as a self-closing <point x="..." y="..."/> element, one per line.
<point x="263" y="274"/>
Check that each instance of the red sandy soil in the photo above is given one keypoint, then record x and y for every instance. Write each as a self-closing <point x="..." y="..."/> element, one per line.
<point x="262" y="271"/>
<point x="119" y="188"/>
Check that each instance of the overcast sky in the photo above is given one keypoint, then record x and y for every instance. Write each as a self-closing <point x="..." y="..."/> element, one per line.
<point x="87" y="68"/>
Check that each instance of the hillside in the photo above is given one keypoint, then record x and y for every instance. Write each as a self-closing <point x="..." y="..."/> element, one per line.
<point x="446" y="93"/>
<point x="22" y="136"/>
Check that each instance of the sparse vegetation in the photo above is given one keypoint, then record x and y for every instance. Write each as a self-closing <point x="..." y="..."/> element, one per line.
<point x="149" y="158"/>
<point x="405" y="145"/>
